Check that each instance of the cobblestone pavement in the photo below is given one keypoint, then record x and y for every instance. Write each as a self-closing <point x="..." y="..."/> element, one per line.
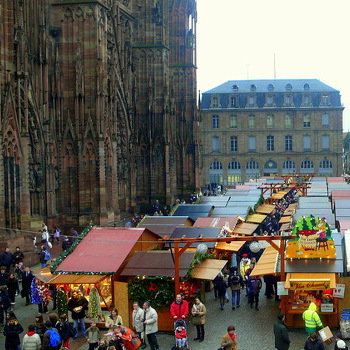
<point x="254" y="328"/>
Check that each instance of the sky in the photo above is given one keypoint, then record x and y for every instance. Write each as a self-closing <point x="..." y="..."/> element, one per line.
<point x="238" y="39"/>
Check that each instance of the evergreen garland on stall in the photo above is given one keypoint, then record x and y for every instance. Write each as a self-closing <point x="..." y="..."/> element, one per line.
<point x="62" y="302"/>
<point x="95" y="311"/>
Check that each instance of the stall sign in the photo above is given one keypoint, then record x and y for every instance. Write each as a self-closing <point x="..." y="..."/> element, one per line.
<point x="339" y="290"/>
<point x="309" y="285"/>
<point x="281" y="290"/>
<point x="326" y="307"/>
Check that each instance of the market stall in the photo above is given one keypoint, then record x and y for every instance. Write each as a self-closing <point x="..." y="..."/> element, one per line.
<point x="94" y="263"/>
<point x="313" y="263"/>
<point x="150" y="276"/>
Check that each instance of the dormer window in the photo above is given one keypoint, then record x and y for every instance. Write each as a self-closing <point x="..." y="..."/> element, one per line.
<point x="289" y="87"/>
<point x="306" y="87"/>
<point x="306" y="100"/>
<point x="251" y="100"/>
<point x="325" y="100"/>
<point x="269" y="100"/>
<point x="233" y="101"/>
<point x="214" y="102"/>
<point x="270" y="87"/>
<point x="252" y="87"/>
<point x="288" y="100"/>
<point x="235" y="87"/>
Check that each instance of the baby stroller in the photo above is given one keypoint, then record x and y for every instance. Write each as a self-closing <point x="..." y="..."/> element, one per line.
<point x="180" y="331"/>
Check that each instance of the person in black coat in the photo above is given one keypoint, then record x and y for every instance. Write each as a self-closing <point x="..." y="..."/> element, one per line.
<point x="313" y="342"/>
<point x="3" y="276"/>
<point x="5" y="303"/>
<point x="280" y="331"/>
<point x="26" y="283"/>
<point x="221" y="287"/>
<point x="78" y="304"/>
<point x="12" y="330"/>
<point x="12" y="287"/>
<point x="6" y="259"/>
<point x="18" y="256"/>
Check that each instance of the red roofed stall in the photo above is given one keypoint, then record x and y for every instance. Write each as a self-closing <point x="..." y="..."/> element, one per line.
<point x="97" y="262"/>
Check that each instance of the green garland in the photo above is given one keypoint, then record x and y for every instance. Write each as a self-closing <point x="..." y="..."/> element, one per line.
<point x="62" y="301"/>
<point x="159" y="291"/>
<point x="198" y="258"/>
<point x="65" y="253"/>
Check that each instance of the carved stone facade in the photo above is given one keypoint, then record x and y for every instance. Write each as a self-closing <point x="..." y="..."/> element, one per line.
<point x="97" y="106"/>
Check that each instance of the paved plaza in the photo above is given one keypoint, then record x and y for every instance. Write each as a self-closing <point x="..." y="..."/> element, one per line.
<point x="254" y="328"/>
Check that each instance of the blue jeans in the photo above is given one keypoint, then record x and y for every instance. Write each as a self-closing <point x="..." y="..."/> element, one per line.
<point x="236" y="297"/>
<point x="81" y="322"/>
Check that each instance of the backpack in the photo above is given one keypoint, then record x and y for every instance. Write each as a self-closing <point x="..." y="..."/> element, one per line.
<point x="55" y="338"/>
<point x="47" y="255"/>
<point x="254" y="286"/>
<point x="234" y="280"/>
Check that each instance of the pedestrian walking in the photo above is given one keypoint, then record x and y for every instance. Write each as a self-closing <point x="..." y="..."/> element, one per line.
<point x="280" y="331"/>
<point x="44" y="256"/>
<point x="18" y="256"/>
<point x="179" y="308"/>
<point x="137" y="324"/>
<point x="12" y="330"/>
<point x="39" y="326"/>
<point x="5" y="304"/>
<point x="4" y="276"/>
<point x="77" y="304"/>
<point x="51" y="338"/>
<point x="26" y="284"/>
<point x="93" y="336"/>
<point x="229" y="340"/>
<point x="254" y="285"/>
<point x="235" y="282"/>
<point x="222" y="288"/>
<point x="57" y="234"/>
<point x="12" y="288"/>
<point x="198" y="312"/>
<point x="113" y="319"/>
<point x="31" y="340"/>
<point x="151" y="325"/>
<point x="6" y="259"/>
<point x="65" y="330"/>
<point x="314" y="342"/>
<point x="311" y="319"/>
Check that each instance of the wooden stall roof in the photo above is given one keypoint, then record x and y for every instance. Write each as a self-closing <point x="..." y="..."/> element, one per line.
<point x="245" y="228"/>
<point x="289" y="212"/>
<point x="157" y="263"/>
<point x="285" y="220"/>
<point x="195" y="232"/>
<point x="77" y="279"/>
<point x="279" y="195"/>
<point x="344" y="225"/>
<point x="163" y="220"/>
<point x="267" y="264"/>
<point x="217" y="222"/>
<point x="162" y="230"/>
<point x="44" y="274"/>
<point x="340" y="193"/>
<point x="305" y="277"/>
<point x="208" y="269"/>
<point x="286" y="227"/>
<point x="265" y="209"/>
<point x="104" y="249"/>
<point x="256" y="218"/>
<point x="233" y="246"/>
